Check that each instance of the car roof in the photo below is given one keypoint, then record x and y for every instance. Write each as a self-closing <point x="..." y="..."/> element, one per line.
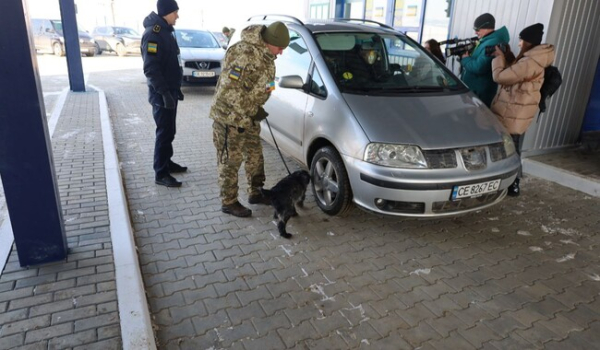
<point x="329" y="25"/>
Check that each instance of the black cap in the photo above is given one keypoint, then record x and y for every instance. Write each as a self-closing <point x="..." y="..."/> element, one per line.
<point x="164" y="7"/>
<point x="485" y="21"/>
<point x="533" y="34"/>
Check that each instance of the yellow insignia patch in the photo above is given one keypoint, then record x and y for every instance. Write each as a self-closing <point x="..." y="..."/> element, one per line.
<point x="156" y="28"/>
<point x="152" y="47"/>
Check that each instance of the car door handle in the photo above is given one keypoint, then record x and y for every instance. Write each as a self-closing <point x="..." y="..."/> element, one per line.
<point x="310" y="114"/>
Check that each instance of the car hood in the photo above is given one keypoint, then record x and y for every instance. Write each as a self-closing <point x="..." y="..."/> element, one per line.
<point x="215" y="54"/>
<point x="431" y="122"/>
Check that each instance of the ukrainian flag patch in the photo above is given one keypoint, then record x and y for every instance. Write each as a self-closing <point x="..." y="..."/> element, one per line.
<point x="235" y="73"/>
<point x="152" y="47"/>
<point x="270" y="86"/>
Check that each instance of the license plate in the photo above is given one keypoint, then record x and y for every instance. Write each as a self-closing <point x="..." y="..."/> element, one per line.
<point x="197" y="74"/>
<point x="475" y="190"/>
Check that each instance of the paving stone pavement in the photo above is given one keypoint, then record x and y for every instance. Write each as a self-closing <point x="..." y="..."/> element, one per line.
<point x="523" y="274"/>
<point x="70" y="304"/>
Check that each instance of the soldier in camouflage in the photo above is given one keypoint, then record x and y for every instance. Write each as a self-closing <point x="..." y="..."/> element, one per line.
<point x="244" y="86"/>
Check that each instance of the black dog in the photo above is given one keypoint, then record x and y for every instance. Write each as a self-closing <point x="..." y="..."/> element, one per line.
<point x="288" y="193"/>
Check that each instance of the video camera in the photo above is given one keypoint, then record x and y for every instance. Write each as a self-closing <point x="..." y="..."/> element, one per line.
<point x="489" y="50"/>
<point x="457" y="47"/>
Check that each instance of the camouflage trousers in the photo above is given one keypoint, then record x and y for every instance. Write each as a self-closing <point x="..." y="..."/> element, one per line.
<point x="234" y="146"/>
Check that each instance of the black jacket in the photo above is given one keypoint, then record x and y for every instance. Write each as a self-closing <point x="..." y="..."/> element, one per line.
<point x="161" y="57"/>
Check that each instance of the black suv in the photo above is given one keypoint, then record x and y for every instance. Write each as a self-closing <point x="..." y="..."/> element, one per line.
<point x="121" y="40"/>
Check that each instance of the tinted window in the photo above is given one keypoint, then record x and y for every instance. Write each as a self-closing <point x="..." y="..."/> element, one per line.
<point x="295" y="59"/>
<point x="317" y="86"/>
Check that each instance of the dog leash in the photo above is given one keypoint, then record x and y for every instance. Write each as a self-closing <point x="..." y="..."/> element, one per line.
<point x="277" y="146"/>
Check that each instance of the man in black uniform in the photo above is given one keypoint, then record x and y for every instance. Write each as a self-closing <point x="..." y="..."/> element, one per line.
<point x="163" y="72"/>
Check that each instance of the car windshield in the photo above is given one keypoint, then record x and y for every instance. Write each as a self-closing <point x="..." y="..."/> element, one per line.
<point x="125" y="31"/>
<point x="382" y="63"/>
<point x="196" y="39"/>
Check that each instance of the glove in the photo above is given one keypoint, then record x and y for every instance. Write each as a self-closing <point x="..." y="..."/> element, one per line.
<point x="179" y="95"/>
<point x="260" y="114"/>
<point x="168" y="100"/>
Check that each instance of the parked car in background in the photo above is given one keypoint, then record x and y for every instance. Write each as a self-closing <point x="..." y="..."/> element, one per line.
<point x="221" y="38"/>
<point x="48" y="37"/>
<point x="121" y="40"/>
<point x="380" y="122"/>
<point x="201" y="55"/>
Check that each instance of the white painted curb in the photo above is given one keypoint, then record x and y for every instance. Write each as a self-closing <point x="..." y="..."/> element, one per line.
<point x="136" y="325"/>
<point x="561" y="177"/>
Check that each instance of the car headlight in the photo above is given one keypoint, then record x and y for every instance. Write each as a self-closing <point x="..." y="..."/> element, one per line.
<point x="397" y="156"/>
<point x="509" y="145"/>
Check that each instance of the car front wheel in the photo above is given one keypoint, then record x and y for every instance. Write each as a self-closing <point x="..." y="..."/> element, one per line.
<point x="57" y="49"/>
<point x="120" y="49"/>
<point x="330" y="183"/>
<point x="97" y="49"/>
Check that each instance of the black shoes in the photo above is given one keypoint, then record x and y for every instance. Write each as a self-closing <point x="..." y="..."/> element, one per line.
<point x="168" y="181"/>
<point x="259" y="199"/>
<point x="514" y="190"/>
<point x="236" y="209"/>
<point x="175" y="168"/>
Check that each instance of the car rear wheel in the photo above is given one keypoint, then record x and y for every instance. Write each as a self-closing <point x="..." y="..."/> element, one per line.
<point x="330" y="183"/>
<point x="97" y="49"/>
<point x="57" y="49"/>
<point x="120" y="49"/>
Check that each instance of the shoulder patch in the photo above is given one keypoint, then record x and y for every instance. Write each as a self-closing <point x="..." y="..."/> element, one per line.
<point x="156" y="28"/>
<point x="152" y="47"/>
<point x="235" y="73"/>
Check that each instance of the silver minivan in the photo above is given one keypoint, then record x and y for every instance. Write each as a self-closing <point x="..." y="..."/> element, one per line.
<point x="383" y="124"/>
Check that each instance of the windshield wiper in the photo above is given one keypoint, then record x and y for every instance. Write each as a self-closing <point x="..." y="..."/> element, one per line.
<point x="413" y="89"/>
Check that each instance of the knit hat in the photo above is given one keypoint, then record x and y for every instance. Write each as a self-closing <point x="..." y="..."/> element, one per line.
<point x="533" y="34"/>
<point x="164" y="7"/>
<point x="276" y="34"/>
<point x="485" y="21"/>
<point x="225" y="30"/>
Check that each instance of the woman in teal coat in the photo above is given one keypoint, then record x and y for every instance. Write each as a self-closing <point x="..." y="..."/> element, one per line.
<point x="477" y="67"/>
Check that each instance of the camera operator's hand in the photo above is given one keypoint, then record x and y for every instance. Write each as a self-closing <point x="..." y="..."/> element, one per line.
<point x="168" y="100"/>
<point x="497" y="52"/>
<point x="466" y="54"/>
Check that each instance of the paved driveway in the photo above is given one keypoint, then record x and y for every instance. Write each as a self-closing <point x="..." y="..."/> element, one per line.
<point x="524" y="274"/>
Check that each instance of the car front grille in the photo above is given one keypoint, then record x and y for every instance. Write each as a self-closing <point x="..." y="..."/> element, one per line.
<point x="440" y="159"/>
<point x="465" y="204"/>
<point x="474" y="158"/>
<point x="205" y="65"/>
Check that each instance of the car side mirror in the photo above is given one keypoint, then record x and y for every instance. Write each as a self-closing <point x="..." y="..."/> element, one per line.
<point x="291" y="82"/>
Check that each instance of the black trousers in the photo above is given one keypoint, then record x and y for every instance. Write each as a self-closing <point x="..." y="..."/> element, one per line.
<point x="517" y="139"/>
<point x="165" y="134"/>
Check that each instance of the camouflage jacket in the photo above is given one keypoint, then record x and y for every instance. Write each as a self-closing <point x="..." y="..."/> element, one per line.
<point x="246" y="81"/>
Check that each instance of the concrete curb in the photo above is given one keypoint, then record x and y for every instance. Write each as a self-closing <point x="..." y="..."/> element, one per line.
<point x="136" y="326"/>
<point x="561" y="177"/>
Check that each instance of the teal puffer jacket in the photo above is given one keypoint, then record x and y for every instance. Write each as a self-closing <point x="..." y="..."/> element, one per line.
<point x="477" y="68"/>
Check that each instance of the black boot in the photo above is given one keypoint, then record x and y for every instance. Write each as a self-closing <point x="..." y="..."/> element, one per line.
<point x="168" y="181"/>
<point x="514" y="190"/>
<point x="236" y="209"/>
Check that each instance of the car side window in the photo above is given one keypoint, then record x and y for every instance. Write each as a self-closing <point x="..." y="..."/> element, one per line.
<point x="295" y="59"/>
<point x="317" y="86"/>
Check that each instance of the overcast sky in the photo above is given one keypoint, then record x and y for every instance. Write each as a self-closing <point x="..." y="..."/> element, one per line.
<point x="213" y="14"/>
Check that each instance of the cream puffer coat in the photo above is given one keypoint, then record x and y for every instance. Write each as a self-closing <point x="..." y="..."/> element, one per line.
<point x="518" y="97"/>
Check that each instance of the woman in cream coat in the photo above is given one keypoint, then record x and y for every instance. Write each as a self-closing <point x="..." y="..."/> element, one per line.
<point x="520" y="81"/>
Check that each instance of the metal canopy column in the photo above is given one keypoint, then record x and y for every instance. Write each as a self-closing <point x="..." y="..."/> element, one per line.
<point x="71" y="34"/>
<point x="26" y="165"/>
